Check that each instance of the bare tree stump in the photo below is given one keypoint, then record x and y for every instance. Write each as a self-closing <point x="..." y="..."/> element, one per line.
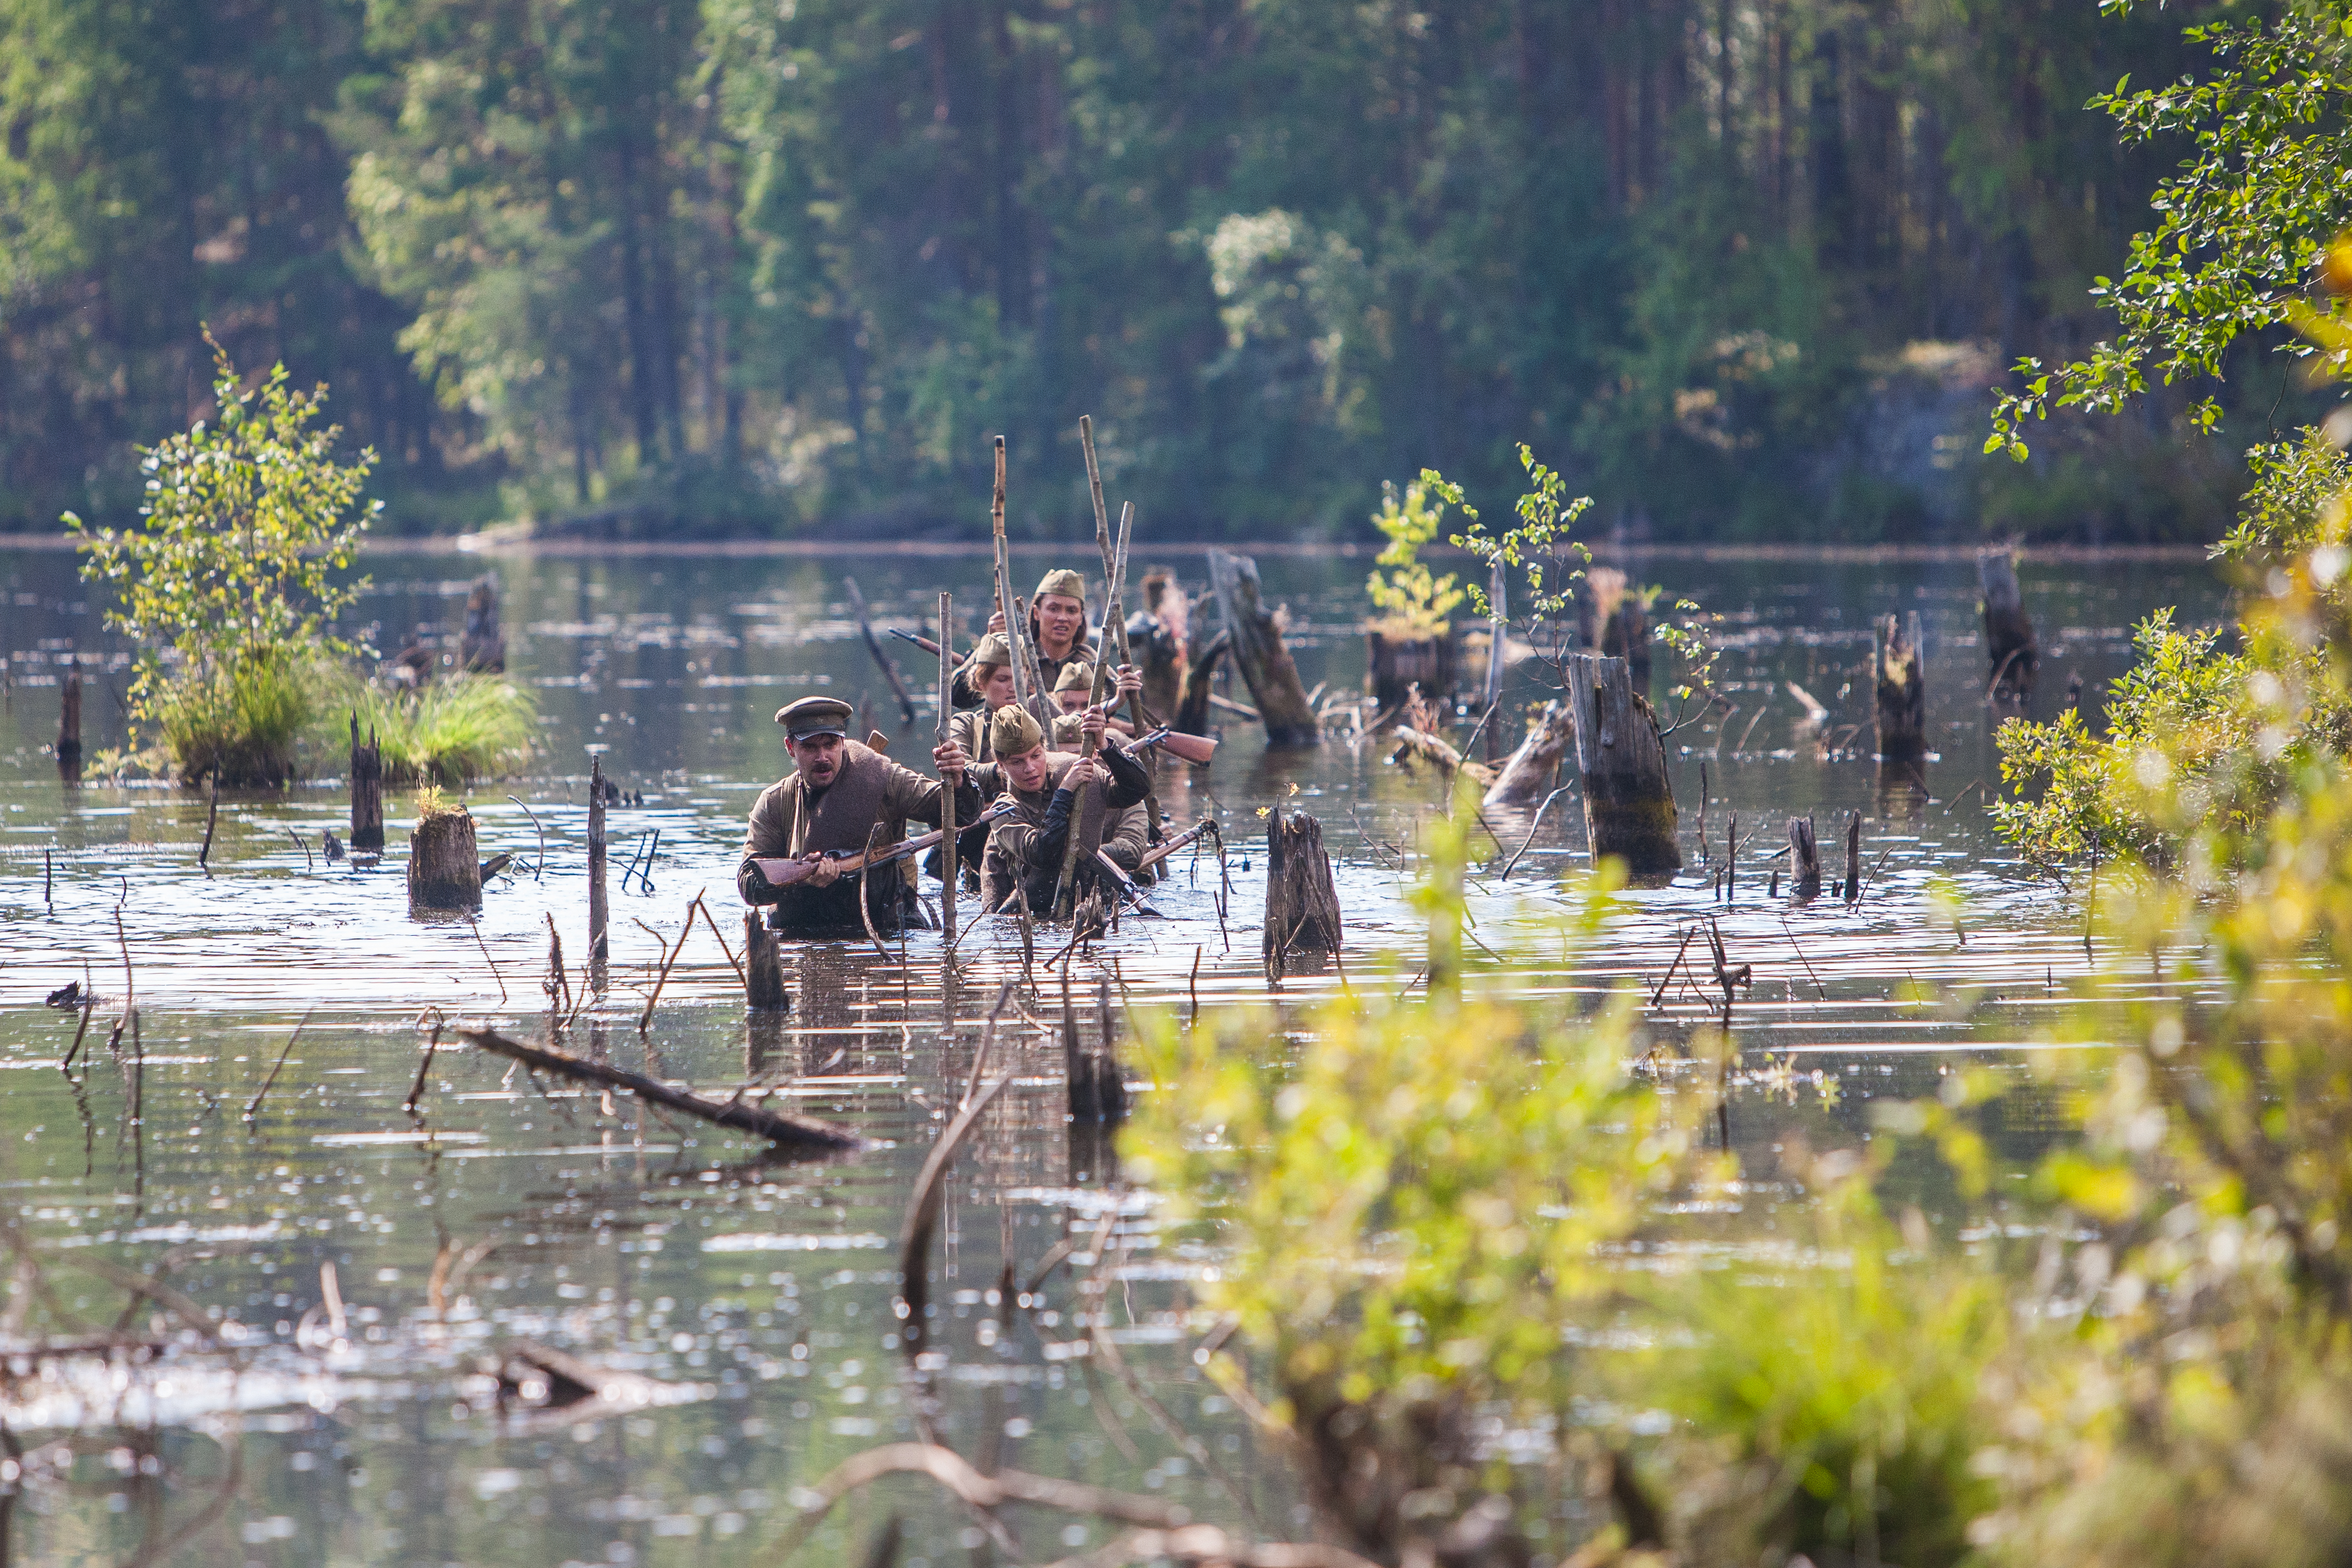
<point x="1395" y="666"/>
<point x="445" y="868"/>
<point x="1157" y="634"/>
<point x="1097" y="1087"/>
<point x="70" y="722"/>
<point x="367" y="793"/>
<point x="1612" y="621"/>
<point x="2010" y="643"/>
<point x="483" y="648"/>
<point x="1193" y="713"/>
<point x="1529" y="773"/>
<point x="763" y="966"/>
<point x="1852" y="888"/>
<point x="1899" y="674"/>
<point x="1629" y="802"/>
<point x="1302" y="905"/>
<point x="1804" y="860"/>
<point x="1264" y="663"/>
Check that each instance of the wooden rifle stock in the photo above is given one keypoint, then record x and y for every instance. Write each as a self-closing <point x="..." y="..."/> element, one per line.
<point x="786" y="873"/>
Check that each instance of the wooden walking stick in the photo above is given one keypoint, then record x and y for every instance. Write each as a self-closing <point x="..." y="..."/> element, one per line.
<point x="1114" y="577"/>
<point x="1004" y="604"/>
<point x="947" y="793"/>
<point x="1114" y="591"/>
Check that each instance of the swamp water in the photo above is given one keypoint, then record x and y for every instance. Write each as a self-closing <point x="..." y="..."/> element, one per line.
<point x="369" y="1270"/>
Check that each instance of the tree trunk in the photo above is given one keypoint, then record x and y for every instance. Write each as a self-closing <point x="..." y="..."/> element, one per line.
<point x="1526" y="776"/>
<point x="2010" y="643"/>
<point x="69" y="723"/>
<point x="367" y="793"/>
<point x="445" y="868"/>
<point x="1397" y="664"/>
<point x="1613" y="621"/>
<point x="1629" y="804"/>
<point x="1302" y="906"/>
<point x="483" y="648"/>
<point x="1264" y="663"/>
<point x="1901" y="679"/>
<point x="1804" y="860"/>
<point x="763" y="966"/>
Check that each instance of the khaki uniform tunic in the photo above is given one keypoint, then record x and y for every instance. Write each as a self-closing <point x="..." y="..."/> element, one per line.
<point x="789" y="820"/>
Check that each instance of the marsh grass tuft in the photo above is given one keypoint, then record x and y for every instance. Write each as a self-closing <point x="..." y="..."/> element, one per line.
<point x="457" y="729"/>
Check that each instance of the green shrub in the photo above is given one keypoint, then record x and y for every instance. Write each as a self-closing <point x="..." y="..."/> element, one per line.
<point x="453" y="731"/>
<point x="241" y="718"/>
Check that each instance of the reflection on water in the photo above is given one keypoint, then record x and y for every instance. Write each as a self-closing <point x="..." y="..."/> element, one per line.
<point x="371" y="1283"/>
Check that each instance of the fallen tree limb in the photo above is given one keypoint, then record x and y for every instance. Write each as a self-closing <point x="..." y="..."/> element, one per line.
<point x="780" y="1128"/>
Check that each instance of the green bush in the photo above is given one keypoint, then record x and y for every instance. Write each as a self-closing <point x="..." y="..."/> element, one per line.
<point x="464" y="728"/>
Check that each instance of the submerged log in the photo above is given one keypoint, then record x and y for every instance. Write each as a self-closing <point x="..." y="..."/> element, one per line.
<point x="1629" y="802"/>
<point x="443" y="870"/>
<point x="1529" y="773"/>
<point x="1395" y="666"/>
<point x="1193" y="712"/>
<point x="1422" y="746"/>
<point x="483" y="648"/>
<point x="1899" y="675"/>
<point x="1302" y="905"/>
<point x="1804" y="860"/>
<point x="69" y="723"/>
<point x="1614" y="622"/>
<point x="1258" y="647"/>
<point x="763" y="966"/>
<point x="2010" y="643"/>
<point x="778" y="1127"/>
<point x="367" y="793"/>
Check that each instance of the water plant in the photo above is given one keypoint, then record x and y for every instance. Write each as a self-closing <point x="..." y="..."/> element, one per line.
<point x="231" y="583"/>
<point x="461" y="727"/>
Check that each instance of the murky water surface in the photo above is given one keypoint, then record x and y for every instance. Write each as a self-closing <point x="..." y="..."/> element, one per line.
<point x="374" y="1270"/>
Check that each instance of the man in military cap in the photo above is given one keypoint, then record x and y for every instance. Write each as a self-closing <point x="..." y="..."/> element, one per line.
<point x="1055" y="793"/>
<point x="837" y="793"/>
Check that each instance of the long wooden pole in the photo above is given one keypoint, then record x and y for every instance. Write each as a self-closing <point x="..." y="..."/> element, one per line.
<point x="947" y="881"/>
<point x="1114" y="591"/>
<point x="1004" y="605"/>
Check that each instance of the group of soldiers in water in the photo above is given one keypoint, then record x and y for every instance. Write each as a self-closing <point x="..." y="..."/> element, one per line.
<point x="809" y="829"/>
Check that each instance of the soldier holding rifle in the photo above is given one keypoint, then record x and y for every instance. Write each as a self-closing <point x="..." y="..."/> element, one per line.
<point x="1053" y="793"/>
<point x="809" y="831"/>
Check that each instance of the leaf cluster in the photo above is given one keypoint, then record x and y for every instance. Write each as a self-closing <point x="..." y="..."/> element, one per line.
<point x="1414" y="603"/>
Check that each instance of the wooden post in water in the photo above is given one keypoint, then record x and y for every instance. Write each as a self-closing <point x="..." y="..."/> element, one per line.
<point x="1804" y="860"/>
<point x="1257" y="648"/>
<point x="70" y="722"/>
<point x="483" y="647"/>
<point x="599" y="954"/>
<point x="1497" y="627"/>
<point x="445" y="867"/>
<point x="763" y="966"/>
<point x="1629" y="802"/>
<point x="1852" y="888"/>
<point x="1899" y="675"/>
<point x="1302" y="906"/>
<point x="367" y="793"/>
<point x="948" y="871"/>
<point x="2010" y="643"/>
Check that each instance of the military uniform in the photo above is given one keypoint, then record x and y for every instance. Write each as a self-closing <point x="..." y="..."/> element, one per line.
<point x="791" y="819"/>
<point x="1065" y="582"/>
<point x="1025" y="849"/>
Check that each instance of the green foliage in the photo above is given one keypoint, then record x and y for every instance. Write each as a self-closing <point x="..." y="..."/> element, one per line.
<point x="231" y="585"/>
<point x="2239" y="228"/>
<point x="452" y="732"/>
<point x="1413" y="603"/>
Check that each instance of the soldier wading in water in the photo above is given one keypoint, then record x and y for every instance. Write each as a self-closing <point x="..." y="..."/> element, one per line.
<point x="829" y="806"/>
<point x="1047" y="788"/>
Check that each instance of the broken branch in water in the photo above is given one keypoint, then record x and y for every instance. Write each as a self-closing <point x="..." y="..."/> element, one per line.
<point x="669" y="956"/>
<point x="778" y="1127"/>
<point x="923" y="1216"/>
<point x="263" y="1093"/>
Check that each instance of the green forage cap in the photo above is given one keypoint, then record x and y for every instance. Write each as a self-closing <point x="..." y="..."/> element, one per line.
<point x="1065" y="582"/>
<point x="1077" y="676"/>
<point x="992" y="649"/>
<point x="1010" y="731"/>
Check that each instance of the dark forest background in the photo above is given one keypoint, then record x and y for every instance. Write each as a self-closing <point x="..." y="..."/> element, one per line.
<point x="1743" y="270"/>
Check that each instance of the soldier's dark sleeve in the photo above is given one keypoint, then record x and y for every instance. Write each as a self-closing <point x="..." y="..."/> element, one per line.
<point x="1130" y="780"/>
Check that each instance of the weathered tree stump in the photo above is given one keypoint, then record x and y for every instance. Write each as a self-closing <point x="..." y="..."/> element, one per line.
<point x="1853" y="887"/>
<point x="1097" y="1087"/>
<point x="1264" y="663"/>
<point x="1156" y="636"/>
<point x="1612" y="621"/>
<point x="599" y="915"/>
<point x="763" y="966"/>
<point x="444" y="869"/>
<point x="2010" y="643"/>
<point x="1804" y="860"/>
<point x="483" y="648"/>
<point x="1900" y="673"/>
<point x="1396" y="665"/>
<point x="1629" y="802"/>
<point x="1529" y="773"/>
<point x="1302" y="906"/>
<point x="367" y="793"/>
<point x="69" y="723"/>
<point x="1193" y="712"/>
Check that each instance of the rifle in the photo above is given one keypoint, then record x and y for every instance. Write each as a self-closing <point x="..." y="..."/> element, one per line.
<point x="1153" y="857"/>
<point x="1125" y="882"/>
<point x="925" y="643"/>
<point x="784" y="871"/>
<point x="1196" y="749"/>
